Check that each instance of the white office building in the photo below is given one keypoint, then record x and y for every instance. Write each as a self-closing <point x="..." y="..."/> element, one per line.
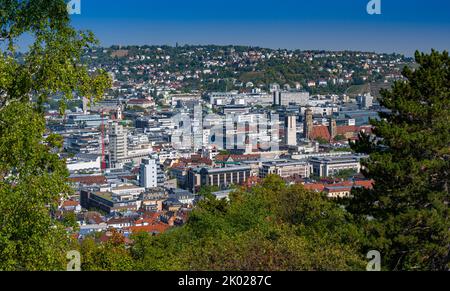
<point x="367" y="101"/>
<point x="148" y="174"/>
<point x="118" y="143"/>
<point x="286" y="98"/>
<point x="291" y="130"/>
<point x="330" y="166"/>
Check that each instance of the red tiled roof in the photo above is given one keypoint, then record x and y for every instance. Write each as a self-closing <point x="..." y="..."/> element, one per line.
<point x="89" y="180"/>
<point x="96" y="219"/>
<point x="331" y="187"/>
<point x="148" y="218"/>
<point x="321" y="131"/>
<point x="337" y="189"/>
<point x="368" y="184"/>
<point x="179" y="166"/>
<point x="341" y="130"/>
<point x="147" y="221"/>
<point x="342" y="184"/>
<point x="106" y="237"/>
<point x="155" y="228"/>
<point x="94" y="216"/>
<point x="315" y="187"/>
<point x="151" y="215"/>
<point x="70" y="203"/>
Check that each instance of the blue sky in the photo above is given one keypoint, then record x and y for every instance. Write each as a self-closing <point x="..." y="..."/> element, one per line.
<point x="403" y="26"/>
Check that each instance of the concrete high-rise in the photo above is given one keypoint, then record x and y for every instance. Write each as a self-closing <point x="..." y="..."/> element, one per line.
<point x="197" y="128"/>
<point x="118" y="144"/>
<point x="290" y="133"/>
<point x="367" y="101"/>
<point x="148" y="174"/>
<point x="85" y="105"/>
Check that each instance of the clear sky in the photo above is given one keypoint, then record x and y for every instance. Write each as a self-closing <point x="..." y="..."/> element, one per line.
<point x="403" y="26"/>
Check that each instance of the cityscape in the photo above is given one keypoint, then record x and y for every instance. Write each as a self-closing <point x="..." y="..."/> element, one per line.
<point x="116" y="156"/>
<point x="150" y="150"/>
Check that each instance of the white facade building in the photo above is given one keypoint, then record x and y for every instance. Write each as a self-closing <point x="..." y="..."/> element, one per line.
<point x="118" y="142"/>
<point x="148" y="174"/>
<point x="367" y="101"/>
<point x="291" y="130"/>
<point x="84" y="163"/>
<point x="285" y="98"/>
<point x="330" y="166"/>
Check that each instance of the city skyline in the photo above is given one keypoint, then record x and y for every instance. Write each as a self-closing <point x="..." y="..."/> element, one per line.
<point x="403" y="26"/>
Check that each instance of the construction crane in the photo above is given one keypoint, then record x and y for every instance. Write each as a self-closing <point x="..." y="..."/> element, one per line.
<point x="102" y="130"/>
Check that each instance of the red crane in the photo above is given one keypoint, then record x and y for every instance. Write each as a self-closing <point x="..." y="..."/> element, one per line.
<point x="103" y="140"/>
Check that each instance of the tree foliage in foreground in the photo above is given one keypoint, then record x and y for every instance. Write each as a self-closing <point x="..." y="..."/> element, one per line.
<point x="410" y="163"/>
<point x="271" y="227"/>
<point x="32" y="177"/>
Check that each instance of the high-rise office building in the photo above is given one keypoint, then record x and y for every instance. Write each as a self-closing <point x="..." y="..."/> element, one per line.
<point x="118" y="143"/>
<point x="148" y="174"/>
<point x="367" y="101"/>
<point x="197" y="128"/>
<point x="290" y="133"/>
<point x="85" y="105"/>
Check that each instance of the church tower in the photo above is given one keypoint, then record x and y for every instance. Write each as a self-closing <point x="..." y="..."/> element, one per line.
<point x="333" y="128"/>
<point x="308" y="123"/>
<point x="119" y="113"/>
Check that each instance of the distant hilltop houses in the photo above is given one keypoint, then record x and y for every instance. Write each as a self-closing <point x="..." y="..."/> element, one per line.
<point x="140" y="158"/>
<point x="223" y="68"/>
